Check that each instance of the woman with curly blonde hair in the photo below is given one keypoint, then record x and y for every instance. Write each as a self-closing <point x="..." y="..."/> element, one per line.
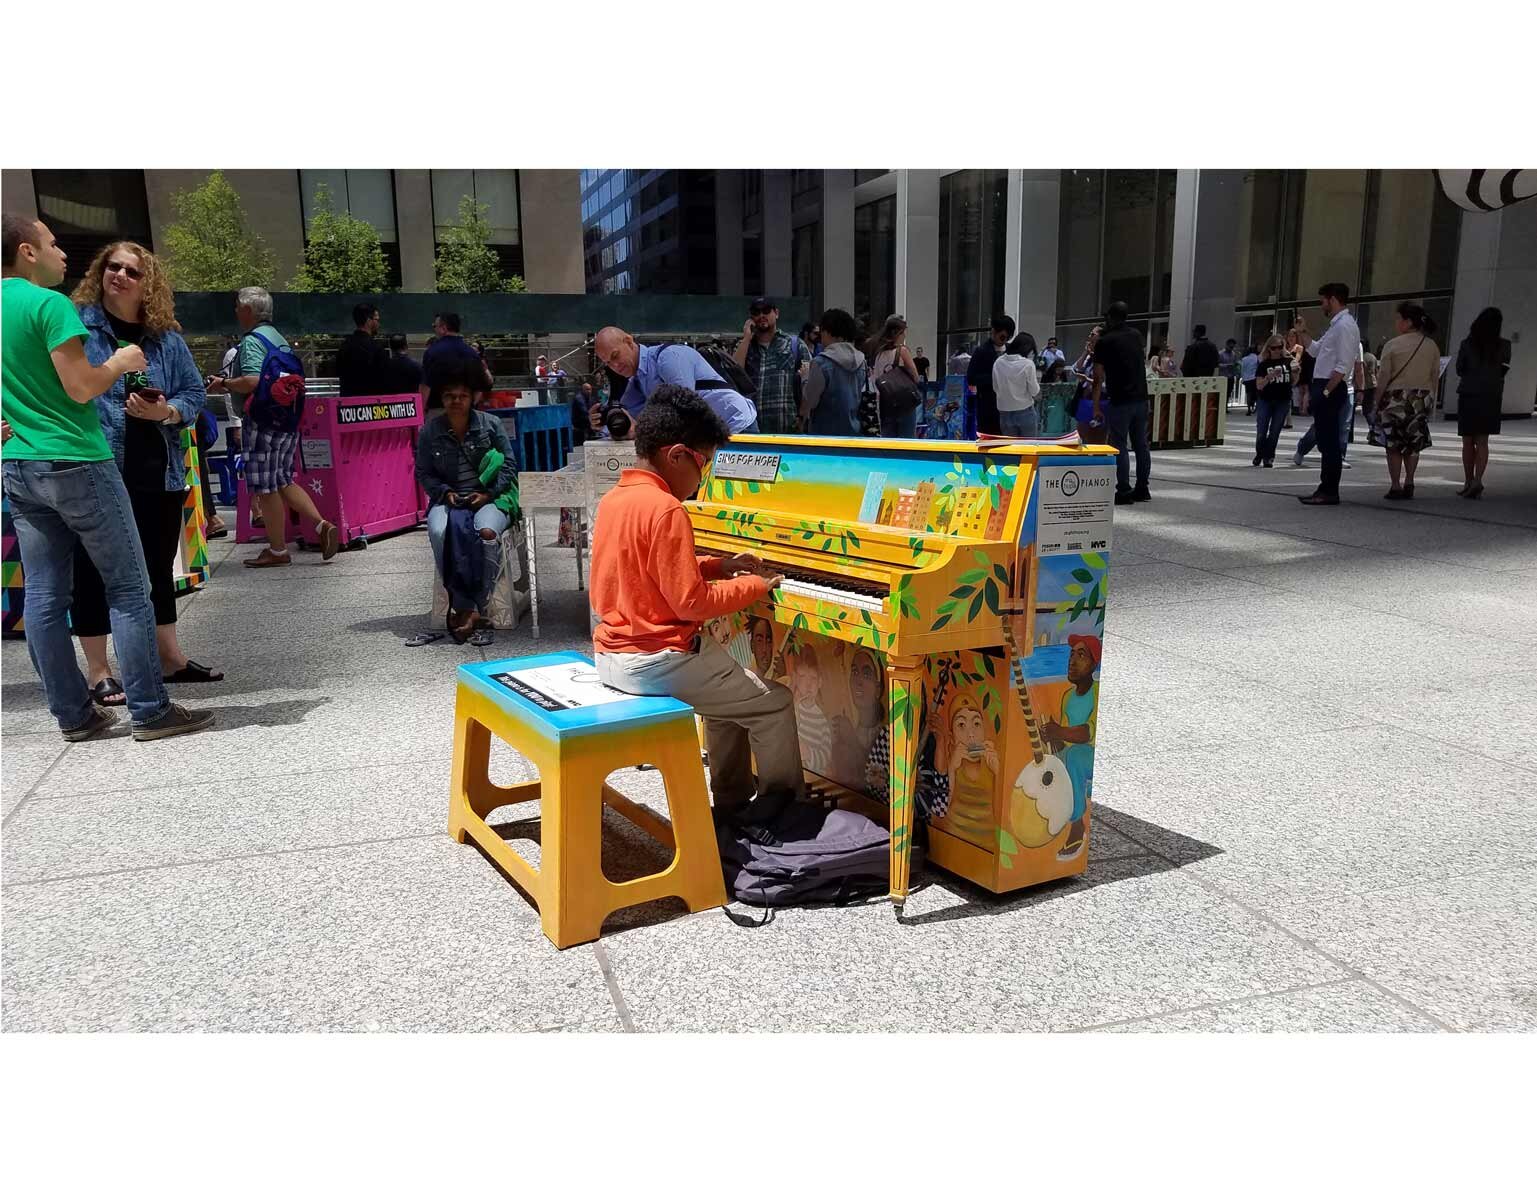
<point x="125" y="299"/>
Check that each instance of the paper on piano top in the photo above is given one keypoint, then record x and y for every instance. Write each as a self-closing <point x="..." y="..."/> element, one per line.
<point x="1070" y="438"/>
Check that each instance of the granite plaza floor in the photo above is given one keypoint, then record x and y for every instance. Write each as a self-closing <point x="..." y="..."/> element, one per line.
<point x="1315" y="778"/>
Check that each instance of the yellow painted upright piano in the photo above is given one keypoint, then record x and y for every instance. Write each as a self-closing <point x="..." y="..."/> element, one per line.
<point x="939" y="626"/>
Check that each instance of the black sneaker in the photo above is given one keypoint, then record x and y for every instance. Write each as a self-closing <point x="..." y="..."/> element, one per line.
<point x="1125" y="498"/>
<point x="100" y="719"/>
<point x="175" y="721"/>
<point x="1140" y="494"/>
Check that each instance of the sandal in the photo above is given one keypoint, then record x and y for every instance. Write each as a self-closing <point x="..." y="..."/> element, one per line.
<point x="484" y="636"/>
<point x="218" y="531"/>
<point x="268" y="559"/>
<point x="425" y="638"/>
<point x="109" y="687"/>
<point x="195" y="672"/>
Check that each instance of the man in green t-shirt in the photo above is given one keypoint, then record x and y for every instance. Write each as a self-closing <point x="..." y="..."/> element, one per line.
<point x="64" y="488"/>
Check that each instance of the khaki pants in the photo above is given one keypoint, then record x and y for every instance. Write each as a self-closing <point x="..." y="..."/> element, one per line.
<point x="741" y="712"/>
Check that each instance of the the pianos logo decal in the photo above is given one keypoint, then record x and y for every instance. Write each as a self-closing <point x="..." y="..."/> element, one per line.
<point x="1070" y="483"/>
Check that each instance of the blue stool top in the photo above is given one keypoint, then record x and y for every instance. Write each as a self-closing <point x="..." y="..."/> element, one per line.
<point x="559" y="696"/>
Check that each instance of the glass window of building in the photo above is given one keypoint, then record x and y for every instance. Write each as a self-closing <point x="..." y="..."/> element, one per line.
<point x="497" y="190"/>
<point x="1410" y="239"/>
<point x="1322" y="232"/>
<point x="875" y="260"/>
<point x="1078" y="232"/>
<point x="1131" y="227"/>
<point x="367" y="195"/>
<point x="86" y="209"/>
<point x="973" y="208"/>
<point x="1260" y="204"/>
<point x="752" y="193"/>
<point x="806" y="263"/>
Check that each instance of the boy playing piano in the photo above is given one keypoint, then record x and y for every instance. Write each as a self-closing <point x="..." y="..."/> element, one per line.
<point x="652" y="592"/>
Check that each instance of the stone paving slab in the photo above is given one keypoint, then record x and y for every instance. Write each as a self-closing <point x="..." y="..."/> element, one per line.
<point x="395" y="937"/>
<point x="1349" y="1006"/>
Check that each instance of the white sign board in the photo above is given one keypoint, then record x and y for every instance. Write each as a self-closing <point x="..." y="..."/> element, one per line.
<point x="746" y="464"/>
<point x="316" y="454"/>
<point x="1074" y="509"/>
<point x="568" y="685"/>
<point x="603" y="463"/>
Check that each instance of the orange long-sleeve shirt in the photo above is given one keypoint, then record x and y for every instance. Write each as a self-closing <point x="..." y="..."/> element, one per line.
<point x="649" y="587"/>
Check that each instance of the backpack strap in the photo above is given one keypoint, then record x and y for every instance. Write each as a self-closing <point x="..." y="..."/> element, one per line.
<point x="266" y="345"/>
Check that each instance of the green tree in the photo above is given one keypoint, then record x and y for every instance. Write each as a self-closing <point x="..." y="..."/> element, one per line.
<point x="208" y="247"/>
<point x="466" y="262"/>
<point x="343" y="254"/>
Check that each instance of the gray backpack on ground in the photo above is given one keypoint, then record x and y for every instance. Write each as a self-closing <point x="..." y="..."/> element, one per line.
<point x="808" y="855"/>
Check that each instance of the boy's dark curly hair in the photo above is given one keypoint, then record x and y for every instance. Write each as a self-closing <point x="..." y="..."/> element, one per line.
<point x="676" y="416"/>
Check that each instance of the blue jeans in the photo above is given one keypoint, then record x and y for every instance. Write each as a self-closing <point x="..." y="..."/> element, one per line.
<point x="85" y="503"/>
<point x="487" y="516"/>
<point x="899" y="425"/>
<point x="1127" y="423"/>
<point x="1346" y="424"/>
<point x="1024" y="422"/>
<point x="1267" y="429"/>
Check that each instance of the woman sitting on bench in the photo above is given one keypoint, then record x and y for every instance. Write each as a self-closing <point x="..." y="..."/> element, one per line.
<point x="465" y="464"/>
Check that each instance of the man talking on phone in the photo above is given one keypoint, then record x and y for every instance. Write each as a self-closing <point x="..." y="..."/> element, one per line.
<point x="65" y="488"/>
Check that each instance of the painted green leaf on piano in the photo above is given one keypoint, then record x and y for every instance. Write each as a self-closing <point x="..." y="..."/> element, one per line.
<point x="976" y="606"/>
<point x="971" y="577"/>
<point x="1006" y="841"/>
<point x="1083" y="576"/>
<point x="1007" y="862"/>
<point x="941" y="623"/>
<point x="1074" y="589"/>
<point x="982" y="560"/>
<point x="1095" y="560"/>
<point x="853" y="541"/>
<point x="991" y="592"/>
<point x="1003" y="575"/>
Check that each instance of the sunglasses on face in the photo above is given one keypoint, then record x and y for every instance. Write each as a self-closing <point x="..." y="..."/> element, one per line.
<point x="759" y="312"/>
<point x="699" y="459"/>
<point x="132" y="272"/>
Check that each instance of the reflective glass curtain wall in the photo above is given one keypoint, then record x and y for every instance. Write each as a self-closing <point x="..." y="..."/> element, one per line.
<point x="648" y="231"/>
<point x="875" y="261"/>
<point x="1388" y="235"/>
<point x="86" y="209"/>
<point x="1115" y="241"/>
<point x="973" y="212"/>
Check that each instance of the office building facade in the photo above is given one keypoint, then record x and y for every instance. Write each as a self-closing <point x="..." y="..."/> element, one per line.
<point x="1239" y="251"/>
<point x="533" y="214"/>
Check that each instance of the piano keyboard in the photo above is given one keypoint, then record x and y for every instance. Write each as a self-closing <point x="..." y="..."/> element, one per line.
<point x="841" y="590"/>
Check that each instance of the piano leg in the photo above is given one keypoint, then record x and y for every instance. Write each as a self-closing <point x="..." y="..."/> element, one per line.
<point x="904" y="695"/>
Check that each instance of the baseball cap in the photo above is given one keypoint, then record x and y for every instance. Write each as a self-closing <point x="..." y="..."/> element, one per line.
<point x="761" y="304"/>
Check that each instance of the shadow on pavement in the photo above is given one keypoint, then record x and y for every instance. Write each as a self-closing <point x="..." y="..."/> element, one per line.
<point x="1173" y="850"/>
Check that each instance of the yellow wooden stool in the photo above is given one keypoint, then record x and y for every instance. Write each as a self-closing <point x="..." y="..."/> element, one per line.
<point x="575" y="730"/>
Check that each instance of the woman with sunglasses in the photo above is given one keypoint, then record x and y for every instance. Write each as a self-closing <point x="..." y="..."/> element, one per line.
<point x="1273" y="377"/>
<point x="125" y="298"/>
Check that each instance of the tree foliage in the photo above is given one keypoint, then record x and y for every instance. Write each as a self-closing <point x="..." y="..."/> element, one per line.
<point x="343" y="254"/>
<point x="208" y="247"/>
<point x="465" y="261"/>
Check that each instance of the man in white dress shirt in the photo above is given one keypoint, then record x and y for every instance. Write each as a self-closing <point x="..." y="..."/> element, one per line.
<point x="1334" y="362"/>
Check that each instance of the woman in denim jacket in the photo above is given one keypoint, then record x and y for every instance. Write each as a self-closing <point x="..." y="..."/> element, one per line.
<point x="452" y="467"/>
<point x="125" y="297"/>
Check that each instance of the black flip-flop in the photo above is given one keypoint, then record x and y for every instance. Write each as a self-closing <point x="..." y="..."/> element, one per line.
<point x="108" y="687"/>
<point x="195" y="672"/>
<point x="425" y="638"/>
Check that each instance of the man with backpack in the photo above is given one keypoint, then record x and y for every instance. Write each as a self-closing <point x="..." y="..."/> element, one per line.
<point x="271" y="377"/>
<point x="722" y="383"/>
<point x="775" y="362"/>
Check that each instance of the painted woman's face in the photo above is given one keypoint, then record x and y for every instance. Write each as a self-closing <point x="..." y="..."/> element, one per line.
<point x="864" y="685"/>
<point x="966" y="727"/>
<point x="1080" y="664"/>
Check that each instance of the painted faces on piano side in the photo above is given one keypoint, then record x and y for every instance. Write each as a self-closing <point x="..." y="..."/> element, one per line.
<point x="865" y="687"/>
<point x="761" y="632"/>
<point x="617" y="351"/>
